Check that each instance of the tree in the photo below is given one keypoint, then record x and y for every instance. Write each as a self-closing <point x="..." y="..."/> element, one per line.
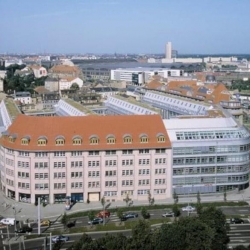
<point x="64" y="219"/>
<point x="103" y="201"/>
<point x="225" y="195"/>
<point x="74" y="86"/>
<point x="176" y="198"/>
<point x="216" y="220"/>
<point x="145" y="214"/>
<point x="119" y="213"/>
<point x="82" y="243"/>
<point x="127" y="199"/>
<point x="151" y="200"/>
<point x="198" y="198"/>
<point x="91" y="215"/>
<point x="176" y="210"/>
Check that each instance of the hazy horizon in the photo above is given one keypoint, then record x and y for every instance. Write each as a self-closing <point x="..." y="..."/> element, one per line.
<point x="125" y="27"/>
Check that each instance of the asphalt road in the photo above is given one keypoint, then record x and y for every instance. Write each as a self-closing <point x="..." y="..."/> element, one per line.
<point x="239" y="234"/>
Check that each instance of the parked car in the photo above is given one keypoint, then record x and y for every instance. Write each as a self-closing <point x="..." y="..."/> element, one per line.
<point x="130" y="215"/>
<point x="96" y="221"/>
<point x="60" y="238"/>
<point x="236" y="221"/>
<point x="71" y="224"/>
<point x="103" y="214"/>
<point x="168" y="214"/>
<point x="24" y="230"/>
<point x="8" y="221"/>
<point x="45" y="223"/>
<point x="188" y="209"/>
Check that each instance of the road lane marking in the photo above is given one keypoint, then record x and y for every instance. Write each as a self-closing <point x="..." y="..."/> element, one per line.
<point x="243" y="210"/>
<point x="238" y="240"/>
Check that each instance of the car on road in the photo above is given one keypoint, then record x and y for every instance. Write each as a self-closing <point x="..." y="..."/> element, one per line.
<point x="71" y="224"/>
<point x="59" y="238"/>
<point x="24" y="230"/>
<point x="103" y="214"/>
<point x="130" y="215"/>
<point x="95" y="221"/>
<point x="8" y="221"/>
<point x="236" y="221"/>
<point x="168" y="214"/>
<point x="188" y="209"/>
<point x="45" y="223"/>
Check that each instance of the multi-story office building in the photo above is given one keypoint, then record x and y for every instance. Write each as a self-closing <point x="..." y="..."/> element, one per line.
<point x="168" y="51"/>
<point x="209" y="154"/>
<point x="139" y="76"/>
<point x="86" y="158"/>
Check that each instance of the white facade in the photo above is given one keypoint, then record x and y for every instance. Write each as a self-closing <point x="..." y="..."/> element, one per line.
<point x="142" y="75"/>
<point x="66" y="83"/>
<point x="23" y="97"/>
<point x="2" y="76"/>
<point x="39" y="71"/>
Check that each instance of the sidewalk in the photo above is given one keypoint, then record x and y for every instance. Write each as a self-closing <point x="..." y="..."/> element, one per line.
<point x="26" y="211"/>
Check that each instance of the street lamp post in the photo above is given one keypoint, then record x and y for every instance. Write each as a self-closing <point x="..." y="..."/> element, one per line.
<point x="14" y="210"/>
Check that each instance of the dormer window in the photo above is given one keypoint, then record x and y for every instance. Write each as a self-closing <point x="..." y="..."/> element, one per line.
<point x="143" y="138"/>
<point x="77" y="141"/>
<point x="94" y="140"/>
<point x="127" y="139"/>
<point x="161" y="138"/>
<point x="12" y="138"/>
<point x="41" y="142"/>
<point x="24" y="141"/>
<point x="111" y="139"/>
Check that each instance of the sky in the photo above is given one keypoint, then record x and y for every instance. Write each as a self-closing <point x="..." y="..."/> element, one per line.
<point x="125" y="26"/>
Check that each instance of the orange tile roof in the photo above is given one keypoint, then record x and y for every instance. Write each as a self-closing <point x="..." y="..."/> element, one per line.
<point x="86" y="126"/>
<point x="64" y="68"/>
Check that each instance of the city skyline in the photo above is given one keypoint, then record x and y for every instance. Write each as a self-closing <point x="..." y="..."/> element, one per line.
<point x="109" y="26"/>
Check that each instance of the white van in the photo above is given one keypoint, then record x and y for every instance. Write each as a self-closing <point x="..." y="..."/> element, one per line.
<point x="8" y="221"/>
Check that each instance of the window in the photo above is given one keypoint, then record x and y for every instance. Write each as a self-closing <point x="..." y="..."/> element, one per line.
<point x="143" y="192"/>
<point x="160" y="171"/>
<point x="144" y="171"/>
<point x="160" y="181"/>
<point x="59" y="185"/>
<point x="59" y="175"/>
<point x="110" y="163"/>
<point x="93" y="152"/>
<point x="12" y="138"/>
<point x="144" y="139"/>
<point x="76" y="174"/>
<point x="59" y="164"/>
<point x="127" y="162"/>
<point x="76" y="184"/>
<point x="111" y="140"/>
<point x="23" y="185"/>
<point x="127" y="172"/>
<point x="77" y="141"/>
<point x="144" y="151"/>
<point x="110" y="193"/>
<point x="110" y="173"/>
<point x="160" y="151"/>
<point x="41" y="164"/>
<point x="41" y="142"/>
<point x="159" y="191"/>
<point x="160" y="161"/>
<point x="143" y="182"/>
<point x="110" y="152"/>
<point x="110" y="183"/>
<point x="144" y="161"/>
<point x="127" y="139"/>
<point x="41" y="175"/>
<point x="60" y="141"/>
<point x="94" y="140"/>
<point x="41" y="154"/>
<point x="127" y="183"/>
<point x="24" y="141"/>
<point x="93" y="173"/>
<point x="23" y="175"/>
<point x="161" y="138"/>
<point x="94" y="184"/>
<point x="125" y="192"/>
<point x="76" y="153"/>
<point x="127" y="152"/>
<point x="59" y="153"/>
<point x="75" y="164"/>
<point x="42" y="186"/>
<point x="93" y="163"/>
<point x="22" y="164"/>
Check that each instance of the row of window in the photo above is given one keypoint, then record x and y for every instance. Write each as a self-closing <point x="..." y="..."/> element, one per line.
<point x="93" y="140"/>
<point x="80" y="153"/>
<point x="139" y="192"/>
